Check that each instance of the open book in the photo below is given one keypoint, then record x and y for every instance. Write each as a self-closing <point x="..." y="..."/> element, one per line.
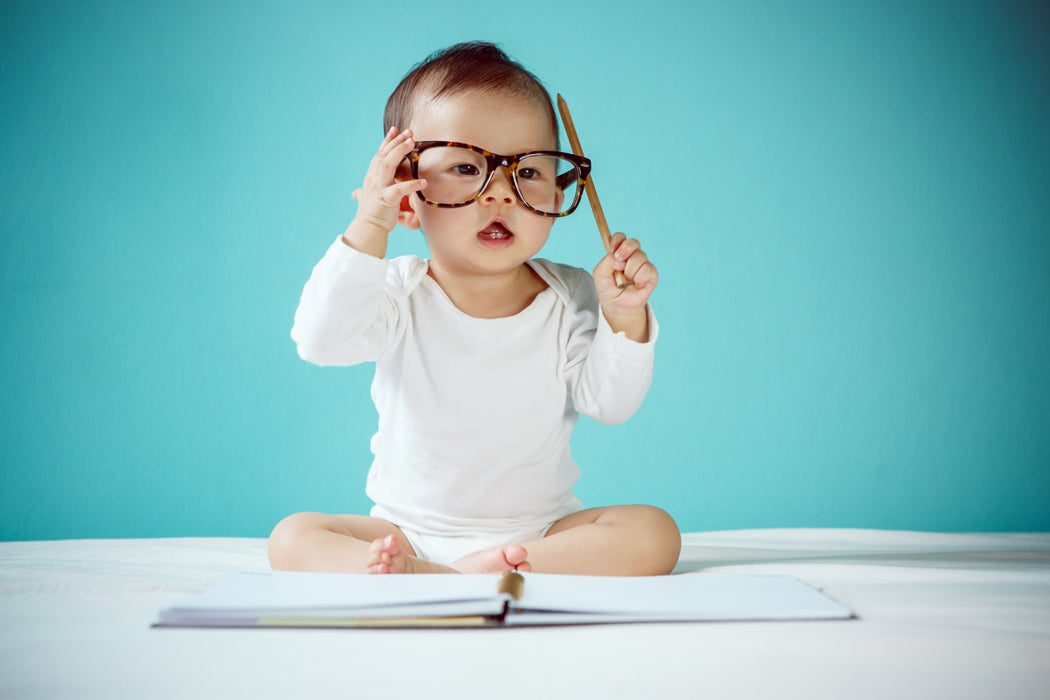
<point x="292" y="599"/>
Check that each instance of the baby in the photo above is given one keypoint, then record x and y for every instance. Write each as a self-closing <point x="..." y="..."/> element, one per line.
<point x="485" y="356"/>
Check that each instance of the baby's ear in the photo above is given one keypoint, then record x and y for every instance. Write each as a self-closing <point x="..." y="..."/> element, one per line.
<point x="406" y="215"/>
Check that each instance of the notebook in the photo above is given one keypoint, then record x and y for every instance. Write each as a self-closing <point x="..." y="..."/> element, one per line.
<point x="296" y="599"/>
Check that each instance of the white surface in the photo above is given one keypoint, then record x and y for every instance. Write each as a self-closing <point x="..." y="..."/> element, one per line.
<point x="942" y="616"/>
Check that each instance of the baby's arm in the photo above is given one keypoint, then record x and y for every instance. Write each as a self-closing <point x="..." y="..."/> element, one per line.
<point x="625" y="309"/>
<point x="381" y="197"/>
<point x="609" y="364"/>
<point x="345" y="315"/>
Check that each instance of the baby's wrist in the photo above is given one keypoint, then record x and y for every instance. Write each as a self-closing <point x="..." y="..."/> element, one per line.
<point x="366" y="236"/>
<point x="634" y="323"/>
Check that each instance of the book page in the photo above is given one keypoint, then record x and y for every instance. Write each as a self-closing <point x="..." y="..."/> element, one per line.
<point x="264" y="592"/>
<point x="685" y="596"/>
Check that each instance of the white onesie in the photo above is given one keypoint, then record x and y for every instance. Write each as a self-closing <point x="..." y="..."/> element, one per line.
<point x="475" y="414"/>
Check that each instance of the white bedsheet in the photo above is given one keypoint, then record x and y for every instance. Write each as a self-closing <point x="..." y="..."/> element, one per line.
<point x="941" y="616"/>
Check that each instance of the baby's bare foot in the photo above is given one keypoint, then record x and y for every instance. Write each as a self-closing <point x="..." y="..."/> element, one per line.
<point x="386" y="557"/>
<point x="494" y="561"/>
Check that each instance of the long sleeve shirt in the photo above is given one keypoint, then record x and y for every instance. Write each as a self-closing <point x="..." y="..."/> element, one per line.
<point x="475" y="415"/>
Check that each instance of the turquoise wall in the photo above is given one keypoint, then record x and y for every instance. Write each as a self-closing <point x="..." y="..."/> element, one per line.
<point x="849" y="204"/>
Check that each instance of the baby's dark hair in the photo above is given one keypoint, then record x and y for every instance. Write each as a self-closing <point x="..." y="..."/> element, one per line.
<point x="475" y="65"/>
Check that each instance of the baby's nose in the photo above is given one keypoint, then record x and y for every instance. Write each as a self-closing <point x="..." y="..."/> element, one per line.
<point x="500" y="187"/>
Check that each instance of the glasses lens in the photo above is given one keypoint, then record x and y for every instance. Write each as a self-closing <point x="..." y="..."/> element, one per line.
<point x="548" y="183"/>
<point x="454" y="175"/>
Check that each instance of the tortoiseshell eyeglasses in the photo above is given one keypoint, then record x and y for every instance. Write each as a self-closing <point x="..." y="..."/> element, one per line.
<point x="548" y="183"/>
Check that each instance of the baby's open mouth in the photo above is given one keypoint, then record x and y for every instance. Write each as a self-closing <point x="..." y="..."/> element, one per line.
<point x="495" y="232"/>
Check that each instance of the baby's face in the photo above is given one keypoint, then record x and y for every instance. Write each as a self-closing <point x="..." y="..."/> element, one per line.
<point x="496" y="232"/>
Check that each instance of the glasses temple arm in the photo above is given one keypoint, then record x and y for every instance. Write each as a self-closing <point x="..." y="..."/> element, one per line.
<point x="567" y="178"/>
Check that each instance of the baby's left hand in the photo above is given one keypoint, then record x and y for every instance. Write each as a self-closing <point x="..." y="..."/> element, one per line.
<point x="624" y="309"/>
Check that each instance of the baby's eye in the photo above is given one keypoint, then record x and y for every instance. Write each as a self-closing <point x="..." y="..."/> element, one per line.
<point x="529" y="173"/>
<point x="466" y="169"/>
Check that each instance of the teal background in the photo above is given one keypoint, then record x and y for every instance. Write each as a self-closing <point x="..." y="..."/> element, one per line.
<point x="849" y="204"/>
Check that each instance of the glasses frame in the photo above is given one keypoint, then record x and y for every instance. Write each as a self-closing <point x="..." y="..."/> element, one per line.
<point x="494" y="161"/>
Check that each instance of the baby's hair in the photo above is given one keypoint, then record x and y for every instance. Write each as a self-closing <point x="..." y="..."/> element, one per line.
<point x="475" y="65"/>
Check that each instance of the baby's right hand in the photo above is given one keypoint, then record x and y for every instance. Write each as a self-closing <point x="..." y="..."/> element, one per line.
<point x="379" y="198"/>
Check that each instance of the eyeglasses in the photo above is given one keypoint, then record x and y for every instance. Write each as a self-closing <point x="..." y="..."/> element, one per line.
<point x="548" y="183"/>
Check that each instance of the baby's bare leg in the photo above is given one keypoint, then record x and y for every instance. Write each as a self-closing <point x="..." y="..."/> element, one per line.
<point x="343" y="544"/>
<point x="632" y="540"/>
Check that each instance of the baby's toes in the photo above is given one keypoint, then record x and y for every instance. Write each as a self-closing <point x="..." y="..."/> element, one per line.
<point x="516" y="556"/>
<point x="381" y="554"/>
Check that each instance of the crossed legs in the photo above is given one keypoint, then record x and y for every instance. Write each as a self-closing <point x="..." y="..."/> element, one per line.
<point x="629" y="540"/>
<point x="358" y="544"/>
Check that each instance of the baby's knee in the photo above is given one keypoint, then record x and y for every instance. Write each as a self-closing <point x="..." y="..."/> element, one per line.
<point x="663" y="538"/>
<point x="286" y="539"/>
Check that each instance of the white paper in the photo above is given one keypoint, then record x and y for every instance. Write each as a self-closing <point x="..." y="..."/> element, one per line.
<point x="682" y="597"/>
<point x="261" y="593"/>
